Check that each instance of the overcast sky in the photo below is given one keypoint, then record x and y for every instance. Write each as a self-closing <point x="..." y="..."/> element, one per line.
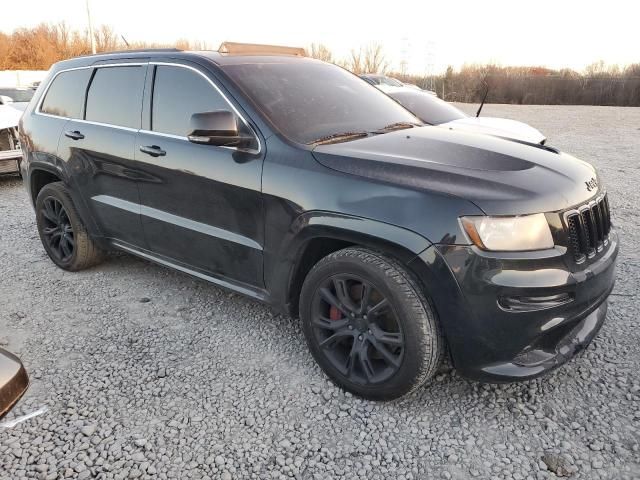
<point x="558" y="33"/>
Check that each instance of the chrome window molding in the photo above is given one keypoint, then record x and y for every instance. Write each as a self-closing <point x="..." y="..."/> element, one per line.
<point x="38" y="109"/>
<point x="226" y="99"/>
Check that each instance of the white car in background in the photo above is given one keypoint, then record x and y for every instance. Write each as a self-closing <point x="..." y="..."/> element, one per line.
<point x="10" y="152"/>
<point x="434" y="111"/>
<point x="13" y="101"/>
<point x="16" y="97"/>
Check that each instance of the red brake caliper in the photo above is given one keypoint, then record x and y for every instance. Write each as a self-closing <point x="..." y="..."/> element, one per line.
<point x="334" y="313"/>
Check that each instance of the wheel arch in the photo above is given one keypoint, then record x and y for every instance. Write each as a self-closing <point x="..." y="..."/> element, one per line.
<point x="41" y="175"/>
<point x="317" y="234"/>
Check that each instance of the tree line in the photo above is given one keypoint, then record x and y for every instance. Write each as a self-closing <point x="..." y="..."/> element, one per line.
<point x="39" y="47"/>
<point x="599" y="84"/>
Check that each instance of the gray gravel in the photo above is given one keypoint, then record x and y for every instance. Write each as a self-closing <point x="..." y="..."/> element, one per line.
<point x="148" y="373"/>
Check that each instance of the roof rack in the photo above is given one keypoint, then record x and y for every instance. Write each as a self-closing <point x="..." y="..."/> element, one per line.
<point x="143" y="50"/>
<point x="135" y="50"/>
<point x="236" y="48"/>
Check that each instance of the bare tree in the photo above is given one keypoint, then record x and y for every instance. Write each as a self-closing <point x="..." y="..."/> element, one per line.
<point x="106" y="39"/>
<point x="355" y="61"/>
<point x="374" y="60"/>
<point x="321" y="52"/>
<point x="37" y="48"/>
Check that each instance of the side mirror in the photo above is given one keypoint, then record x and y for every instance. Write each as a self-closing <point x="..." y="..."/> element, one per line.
<point x="13" y="381"/>
<point x="220" y="128"/>
<point x="5" y="100"/>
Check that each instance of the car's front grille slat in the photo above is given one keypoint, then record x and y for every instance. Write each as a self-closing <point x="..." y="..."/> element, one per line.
<point x="588" y="228"/>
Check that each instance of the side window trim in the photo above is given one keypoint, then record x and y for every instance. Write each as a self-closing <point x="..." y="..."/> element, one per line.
<point x="86" y="94"/>
<point x="38" y="111"/>
<point x="112" y="65"/>
<point x="217" y="89"/>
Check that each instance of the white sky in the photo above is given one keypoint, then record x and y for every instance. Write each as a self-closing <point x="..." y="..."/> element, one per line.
<point x="560" y="33"/>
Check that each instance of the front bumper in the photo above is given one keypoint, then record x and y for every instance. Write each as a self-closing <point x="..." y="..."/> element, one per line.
<point x="511" y="317"/>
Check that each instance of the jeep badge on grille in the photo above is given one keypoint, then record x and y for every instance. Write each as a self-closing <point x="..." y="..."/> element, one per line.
<point x="591" y="184"/>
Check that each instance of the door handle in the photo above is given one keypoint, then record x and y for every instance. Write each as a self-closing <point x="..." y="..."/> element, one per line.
<point x="74" y="134"/>
<point x="153" y="150"/>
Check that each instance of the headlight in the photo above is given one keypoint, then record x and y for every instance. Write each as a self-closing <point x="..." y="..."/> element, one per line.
<point x="527" y="232"/>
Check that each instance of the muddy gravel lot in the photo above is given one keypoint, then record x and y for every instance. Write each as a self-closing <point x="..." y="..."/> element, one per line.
<point x="148" y="373"/>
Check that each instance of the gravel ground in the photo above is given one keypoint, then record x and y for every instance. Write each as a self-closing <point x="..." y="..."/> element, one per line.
<point x="148" y="373"/>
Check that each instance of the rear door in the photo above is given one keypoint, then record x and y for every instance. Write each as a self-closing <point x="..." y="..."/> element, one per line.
<point x="201" y="205"/>
<point x="100" y="150"/>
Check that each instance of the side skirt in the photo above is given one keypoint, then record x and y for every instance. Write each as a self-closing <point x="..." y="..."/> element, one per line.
<point x="255" y="293"/>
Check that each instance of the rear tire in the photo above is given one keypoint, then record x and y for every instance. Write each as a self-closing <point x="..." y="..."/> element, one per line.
<point x="369" y="325"/>
<point x="63" y="235"/>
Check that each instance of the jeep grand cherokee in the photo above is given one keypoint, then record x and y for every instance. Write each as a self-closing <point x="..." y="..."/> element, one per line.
<point x="299" y="184"/>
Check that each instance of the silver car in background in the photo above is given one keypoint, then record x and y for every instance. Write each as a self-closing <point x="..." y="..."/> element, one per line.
<point x="434" y="111"/>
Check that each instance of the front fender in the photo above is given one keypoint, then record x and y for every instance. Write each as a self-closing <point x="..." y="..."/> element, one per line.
<point x="283" y="262"/>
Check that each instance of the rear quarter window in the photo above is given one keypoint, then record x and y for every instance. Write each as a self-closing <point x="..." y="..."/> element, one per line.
<point x="115" y="96"/>
<point x="65" y="96"/>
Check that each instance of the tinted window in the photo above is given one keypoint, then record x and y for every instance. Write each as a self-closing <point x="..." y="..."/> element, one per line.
<point x="115" y="96"/>
<point x="308" y="100"/>
<point x="66" y="94"/>
<point x="429" y="108"/>
<point x="178" y="93"/>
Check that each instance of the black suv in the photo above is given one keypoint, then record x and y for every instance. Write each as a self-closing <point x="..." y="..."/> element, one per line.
<point x="299" y="184"/>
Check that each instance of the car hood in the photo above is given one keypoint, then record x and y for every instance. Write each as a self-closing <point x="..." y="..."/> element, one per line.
<point x="21" y="106"/>
<point x="500" y="176"/>
<point x="502" y="127"/>
<point x="9" y="116"/>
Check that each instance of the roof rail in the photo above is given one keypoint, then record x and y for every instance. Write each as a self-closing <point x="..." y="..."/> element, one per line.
<point x="136" y="50"/>
<point x="143" y="50"/>
<point x="235" y="48"/>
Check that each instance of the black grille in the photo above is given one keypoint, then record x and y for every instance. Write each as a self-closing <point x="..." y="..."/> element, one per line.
<point x="588" y="228"/>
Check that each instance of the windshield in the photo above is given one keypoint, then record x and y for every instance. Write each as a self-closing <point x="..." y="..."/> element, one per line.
<point x="18" y="94"/>
<point x="429" y="108"/>
<point x="392" y="82"/>
<point x="308" y="101"/>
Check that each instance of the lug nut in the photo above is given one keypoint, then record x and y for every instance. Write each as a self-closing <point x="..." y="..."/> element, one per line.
<point x="359" y="337"/>
<point x="350" y="327"/>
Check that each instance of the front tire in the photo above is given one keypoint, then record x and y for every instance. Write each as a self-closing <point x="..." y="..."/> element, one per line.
<point x="63" y="235"/>
<point x="369" y="325"/>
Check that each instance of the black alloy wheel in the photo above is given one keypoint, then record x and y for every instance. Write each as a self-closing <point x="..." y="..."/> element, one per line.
<point x="62" y="232"/>
<point x="57" y="230"/>
<point x="369" y="324"/>
<point x="357" y="329"/>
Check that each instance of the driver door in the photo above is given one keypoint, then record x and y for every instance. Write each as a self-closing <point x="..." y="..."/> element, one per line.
<point x="201" y="205"/>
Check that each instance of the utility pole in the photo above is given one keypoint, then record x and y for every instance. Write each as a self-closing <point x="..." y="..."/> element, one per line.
<point x="93" y="40"/>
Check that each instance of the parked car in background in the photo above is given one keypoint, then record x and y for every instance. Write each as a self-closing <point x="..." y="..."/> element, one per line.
<point x="292" y="181"/>
<point x="434" y="111"/>
<point x="17" y="97"/>
<point x="10" y="152"/>
<point x="386" y="83"/>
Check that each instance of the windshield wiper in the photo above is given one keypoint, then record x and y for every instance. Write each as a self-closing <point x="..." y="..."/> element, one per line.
<point x="339" y="137"/>
<point x="397" y="126"/>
